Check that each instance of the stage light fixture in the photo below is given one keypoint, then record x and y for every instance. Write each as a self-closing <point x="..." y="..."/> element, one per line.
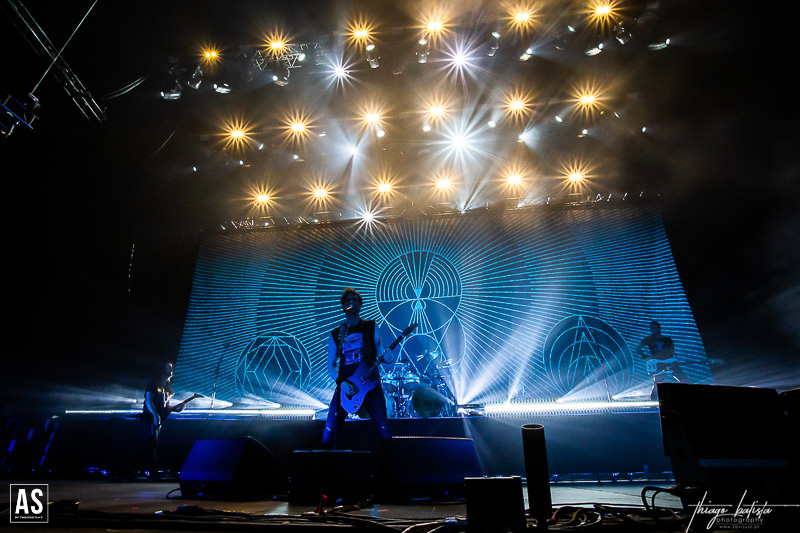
<point x="173" y="94"/>
<point x="514" y="179"/>
<point x="422" y="51"/>
<point x="659" y="45"/>
<point x="491" y="124"/>
<point x="494" y="44"/>
<point x="594" y="50"/>
<point x="222" y="88"/>
<point x="443" y="184"/>
<point x="320" y="193"/>
<point x="426" y="128"/>
<point x="277" y="47"/>
<point x="372" y="56"/>
<point x="622" y="34"/>
<point x="436" y="111"/>
<point x="360" y="31"/>
<point x="384" y="187"/>
<point x="526" y="55"/>
<point x="380" y="133"/>
<point x="434" y="26"/>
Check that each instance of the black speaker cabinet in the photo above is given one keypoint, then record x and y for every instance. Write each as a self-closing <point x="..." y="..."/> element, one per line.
<point x="231" y="468"/>
<point x="342" y="476"/>
<point x="427" y="467"/>
<point x="731" y="444"/>
<point x="495" y="504"/>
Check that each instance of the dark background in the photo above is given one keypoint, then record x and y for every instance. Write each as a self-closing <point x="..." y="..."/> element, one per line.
<point x="79" y="196"/>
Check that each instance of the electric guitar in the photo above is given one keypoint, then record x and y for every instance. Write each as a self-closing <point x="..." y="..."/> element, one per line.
<point x="178" y="407"/>
<point x="363" y="379"/>
<point x="656" y="367"/>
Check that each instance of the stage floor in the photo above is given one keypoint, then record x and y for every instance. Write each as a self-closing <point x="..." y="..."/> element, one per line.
<point x="143" y="505"/>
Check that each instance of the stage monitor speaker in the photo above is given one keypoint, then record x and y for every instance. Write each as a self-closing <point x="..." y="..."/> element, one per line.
<point x="231" y="468"/>
<point x="729" y="444"/>
<point x="427" y="467"/>
<point x="342" y="476"/>
<point x="495" y="504"/>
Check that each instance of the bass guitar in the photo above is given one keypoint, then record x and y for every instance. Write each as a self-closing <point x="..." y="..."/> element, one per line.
<point x="656" y="367"/>
<point x="364" y="380"/>
<point x="178" y="407"/>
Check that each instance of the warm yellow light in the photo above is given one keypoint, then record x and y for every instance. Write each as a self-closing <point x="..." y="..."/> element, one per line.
<point x="277" y="43"/>
<point x="603" y="13"/>
<point x="522" y="17"/>
<point x="236" y="133"/>
<point x="434" y="26"/>
<point x="588" y="99"/>
<point x="575" y="177"/>
<point x="443" y="184"/>
<point x="263" y="199"/>
<point x="514" y="178"/>
<point x="384" y="187"/>
<point x="372" y="117"/>
<point x="518" y="104"/>
<point x="436" y="111"/>
<point x="360" y="31"/>
<point x="603" y="10"/>
<point x="297" y="126"/>
<point x="320" y="193"/>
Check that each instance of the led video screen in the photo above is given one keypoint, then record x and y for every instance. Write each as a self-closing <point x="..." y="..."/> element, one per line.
<point x="536" y="304"/>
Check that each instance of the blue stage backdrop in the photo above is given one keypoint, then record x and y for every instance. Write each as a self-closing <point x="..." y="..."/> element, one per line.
<point x="538" y="304"/>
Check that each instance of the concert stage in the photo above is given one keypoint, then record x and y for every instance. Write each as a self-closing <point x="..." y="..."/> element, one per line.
<point x="603" y="468"/>
<point x="600" y="457"/>
<point x="600" y="443"/>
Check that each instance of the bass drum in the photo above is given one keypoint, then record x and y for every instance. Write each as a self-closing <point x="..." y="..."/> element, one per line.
<point x="426" y="402"/>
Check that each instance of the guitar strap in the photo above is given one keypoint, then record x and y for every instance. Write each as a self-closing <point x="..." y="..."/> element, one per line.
<point x="342" y="334"/>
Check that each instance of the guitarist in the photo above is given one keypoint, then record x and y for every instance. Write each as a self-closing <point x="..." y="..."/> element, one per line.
<point x="355" y="341"/>
<point x="156" y="409"/>
<point x="662" y="364"/>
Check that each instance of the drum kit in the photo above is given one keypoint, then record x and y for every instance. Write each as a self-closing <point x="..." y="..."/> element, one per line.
<point x="411" y="393"/>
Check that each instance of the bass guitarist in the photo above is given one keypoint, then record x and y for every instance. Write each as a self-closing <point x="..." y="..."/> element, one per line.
<point x="662" y="365"/>
<point x="355" y="342"/>
<point x="155" y="410"/>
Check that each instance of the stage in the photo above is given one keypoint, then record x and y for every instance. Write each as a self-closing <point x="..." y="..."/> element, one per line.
<point x="600" y="443"/>
<point x="604" y="468"/>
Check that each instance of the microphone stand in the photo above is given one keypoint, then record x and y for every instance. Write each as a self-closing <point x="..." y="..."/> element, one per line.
<point x="216" y="375"/>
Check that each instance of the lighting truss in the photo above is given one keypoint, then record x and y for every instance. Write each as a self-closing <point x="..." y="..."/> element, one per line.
<point x="37" y="38"/>
<point x="291" y="56"/>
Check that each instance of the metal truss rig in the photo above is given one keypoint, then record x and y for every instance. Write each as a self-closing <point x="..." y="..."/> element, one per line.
<point x="37" y="38"/>
<point x="289" y="57"/>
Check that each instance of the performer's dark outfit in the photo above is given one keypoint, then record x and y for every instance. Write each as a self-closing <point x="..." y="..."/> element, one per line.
<point x="662" y="349"/>
<point x="358" y="346"/>
<point x="158" y="391"/>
